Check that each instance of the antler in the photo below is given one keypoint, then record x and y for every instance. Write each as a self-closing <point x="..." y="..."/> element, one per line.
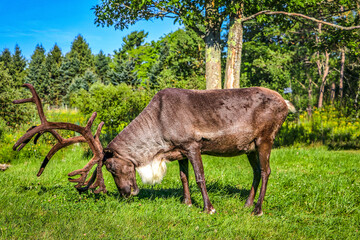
<point x="86" y="136"/>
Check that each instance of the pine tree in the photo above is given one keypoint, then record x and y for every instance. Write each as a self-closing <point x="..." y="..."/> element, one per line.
<point x="83" y="82"/>
<point x="68" y="71"/>
<point x="53" y="63"/>
<point x="10" y="113"/>
<point x="18" y="66"/>
<point x="102" y="66"/>
<point x="80" y="49"/>
<point x="124" y="73"/>
<point x="38" y="75"/>
<point x="5" y="57"/>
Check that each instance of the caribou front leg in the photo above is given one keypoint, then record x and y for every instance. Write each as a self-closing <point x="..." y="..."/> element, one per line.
<point x="184" y="176"/>
<point x="194" y="155"/>
<point x="254" y="162"/>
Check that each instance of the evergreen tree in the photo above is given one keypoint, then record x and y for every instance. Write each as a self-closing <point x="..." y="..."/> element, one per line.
<point x="77" y="84"/>
<point x="53" y="62"/>
<point x="18" y="66"/>
<point x="132" y="62"/>
<point x="102" y="67"/>
<point x="90" y="77"/>
<point x="38" y="74"/>
<point x="80" y="49"/>
<point x="124" y="72"/>
<point x="5" y="57"/>
<point x="10" y="113"/>
<point x="83" y="82"/>
<point x="68" y="70"/>
<point x="159" y="65"/>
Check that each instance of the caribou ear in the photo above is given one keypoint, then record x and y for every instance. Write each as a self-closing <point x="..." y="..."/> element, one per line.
<point x="108" y="153"/>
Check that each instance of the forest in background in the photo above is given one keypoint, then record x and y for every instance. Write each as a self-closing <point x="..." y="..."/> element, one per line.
<point x="314" y="66"/>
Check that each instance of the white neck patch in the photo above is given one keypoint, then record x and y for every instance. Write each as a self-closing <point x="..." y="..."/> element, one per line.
<point x="153" y="172"/>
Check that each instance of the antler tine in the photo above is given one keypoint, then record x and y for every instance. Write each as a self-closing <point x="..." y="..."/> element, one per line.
<point x="35" y="99"/>
<point x="98" y="130"/>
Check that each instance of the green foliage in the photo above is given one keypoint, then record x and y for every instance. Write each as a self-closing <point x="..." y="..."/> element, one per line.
<point x="102" y="67"/>
<point x="81" y="51"/>
<point x="181" y="62"/>
<point x="11" y="113"/>
<point x="327" y="126"/>
<point x="17" y="70"/>
<point x="123" y="72"/>
<point x="267" y="66"/>
<point x="5" y="58"/>
<point x="38" y="73"/>
<point x="53" y="62"/>
<point x="116" y="105"/>
<point x="67" y="71"/>
<point x="134" y="59"/>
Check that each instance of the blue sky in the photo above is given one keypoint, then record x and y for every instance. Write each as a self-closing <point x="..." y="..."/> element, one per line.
<point x="31" y="22"/>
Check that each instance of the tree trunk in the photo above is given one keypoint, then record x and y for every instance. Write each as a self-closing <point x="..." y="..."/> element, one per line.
<point x="235" y="44"/>
<point x="325" y="72"/>
<point x="309" y="109"/>
<point x="323" y="69"/>
<point x="332" y="94"/>
<point x="341" y="84"/>
<point x="213" y="60"/>
<point x="212" y="47"/>
<point x="356" y="100"/>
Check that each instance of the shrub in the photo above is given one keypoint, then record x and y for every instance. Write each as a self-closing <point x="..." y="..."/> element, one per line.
<point x="328" y="126"/>
<point x="117" y="105"/>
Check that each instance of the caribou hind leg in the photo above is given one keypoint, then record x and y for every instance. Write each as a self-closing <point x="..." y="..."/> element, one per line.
<point x="184" y="176"/>
<point x="264" y="149"/>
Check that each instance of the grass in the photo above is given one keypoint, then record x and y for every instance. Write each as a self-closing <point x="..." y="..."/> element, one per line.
<point x="313" y="193"/>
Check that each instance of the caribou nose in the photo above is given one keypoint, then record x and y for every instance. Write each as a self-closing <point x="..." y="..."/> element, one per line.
<point x="135" y="191"/>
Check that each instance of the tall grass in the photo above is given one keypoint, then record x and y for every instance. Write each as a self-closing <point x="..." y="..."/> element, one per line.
<point x="312" y="193"/>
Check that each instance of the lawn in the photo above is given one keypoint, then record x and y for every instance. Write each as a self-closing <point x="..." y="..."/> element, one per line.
<point x="312" y="193"/>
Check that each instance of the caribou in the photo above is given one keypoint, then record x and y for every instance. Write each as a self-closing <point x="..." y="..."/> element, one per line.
<point x="177" y="125"/>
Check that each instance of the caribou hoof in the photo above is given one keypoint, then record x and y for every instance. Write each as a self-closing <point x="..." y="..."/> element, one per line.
<point x="210" y="211"/>
<point x="257" y="212"/>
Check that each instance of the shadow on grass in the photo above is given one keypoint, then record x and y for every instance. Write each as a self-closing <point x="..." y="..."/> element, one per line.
<point x="145" y="193"/>
<point x="227" y="190"/>
<point x="166" y="193"/>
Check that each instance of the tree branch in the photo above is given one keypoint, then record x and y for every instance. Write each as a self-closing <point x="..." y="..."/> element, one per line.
<point x="268" y="12"/>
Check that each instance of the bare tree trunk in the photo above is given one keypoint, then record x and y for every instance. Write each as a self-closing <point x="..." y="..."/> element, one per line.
<point x="332" y="94"/>
<point x="341" y="84"/>
<point x="356" y="99"/>
<point x="212" y="48"/>
<point x="324" y="68"/>
<point x="213" y="61"/>
<point x="235" y="44"/>
<point x="309" y="109"/>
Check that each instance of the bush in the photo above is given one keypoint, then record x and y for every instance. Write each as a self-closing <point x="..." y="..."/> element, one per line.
<point x="328" y="126"/>
<point x="117" y="105"/>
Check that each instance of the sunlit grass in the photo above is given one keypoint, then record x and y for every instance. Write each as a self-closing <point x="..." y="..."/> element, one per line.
<point x="312" y="193"/>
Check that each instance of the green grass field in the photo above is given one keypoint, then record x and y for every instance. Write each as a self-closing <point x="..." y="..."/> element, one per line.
<point x="313" y="193"/>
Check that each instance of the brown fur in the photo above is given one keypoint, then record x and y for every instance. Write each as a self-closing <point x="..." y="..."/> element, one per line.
<point x="183" y="124"/>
